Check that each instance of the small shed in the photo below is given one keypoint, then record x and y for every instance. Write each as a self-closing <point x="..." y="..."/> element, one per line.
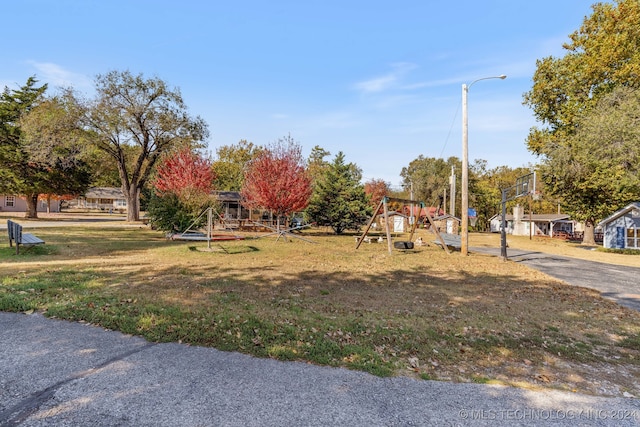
<point x="447" y="223"/>
<point x="622" y="229"/>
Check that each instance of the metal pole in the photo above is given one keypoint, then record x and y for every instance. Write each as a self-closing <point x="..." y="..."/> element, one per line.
<point x="503" y="228"/>
<point x="464" y="215"/>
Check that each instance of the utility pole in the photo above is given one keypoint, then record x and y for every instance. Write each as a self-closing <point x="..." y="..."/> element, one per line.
<point x="452" y="202"/>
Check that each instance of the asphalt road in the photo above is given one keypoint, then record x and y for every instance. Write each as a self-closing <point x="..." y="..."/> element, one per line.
<point x="61" y="373"/>
<point x="616" y="282"/>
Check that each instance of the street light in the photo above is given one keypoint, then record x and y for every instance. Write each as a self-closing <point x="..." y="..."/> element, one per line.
<point x="464" y="235"/>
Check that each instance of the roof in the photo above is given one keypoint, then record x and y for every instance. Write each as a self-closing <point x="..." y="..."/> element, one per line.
<point x="537" y="217"/>
<point x="227" y="196"/>
<point x="104" y="193"/>
<point x="446" y="216"/>
<point x="630" y="207"/>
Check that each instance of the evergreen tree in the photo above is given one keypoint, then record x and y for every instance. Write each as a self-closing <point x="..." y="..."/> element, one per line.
<point x="40" y="145"/>
<point x="339" y="200"/>
<point x="14" y="105"/>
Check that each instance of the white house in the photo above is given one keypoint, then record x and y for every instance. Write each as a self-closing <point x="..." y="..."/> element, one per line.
<point x="622" y="229"/>
<point x="101" y="198"/>
<point x="520" y="224"/>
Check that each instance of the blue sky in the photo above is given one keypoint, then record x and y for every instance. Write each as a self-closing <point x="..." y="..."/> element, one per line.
<point x="378" y="80"/>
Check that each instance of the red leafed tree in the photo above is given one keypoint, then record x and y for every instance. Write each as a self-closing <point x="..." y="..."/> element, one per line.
<point x="376" y="189"/>
<point x="278" y="180"/>
<point x="185" y="174"/>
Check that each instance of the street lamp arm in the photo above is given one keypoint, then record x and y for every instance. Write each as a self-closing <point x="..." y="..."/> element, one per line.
<point x="464" y="223"/>
<point x="501" y="76"/>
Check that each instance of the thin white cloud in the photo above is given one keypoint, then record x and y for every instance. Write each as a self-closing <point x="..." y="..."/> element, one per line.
<point x="56" y="75"/>
<point x="387" y="81"/>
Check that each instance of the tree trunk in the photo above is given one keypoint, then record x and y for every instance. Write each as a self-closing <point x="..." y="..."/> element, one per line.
<point x="133" y="203"/>
<point x="589" y="234"/>
<point x="32" y="205"/>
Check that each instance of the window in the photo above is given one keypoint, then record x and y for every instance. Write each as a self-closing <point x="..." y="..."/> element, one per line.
<point x="633" y="238"/>
<point x="10" y="201"/>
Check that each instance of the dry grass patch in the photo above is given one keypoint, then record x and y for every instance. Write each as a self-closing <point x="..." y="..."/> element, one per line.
<point x="421" y="313"/>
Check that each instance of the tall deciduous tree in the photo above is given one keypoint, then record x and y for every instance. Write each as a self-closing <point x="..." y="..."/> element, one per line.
<point x="277" y="179"/>
<point x="598" y="170"/>
<point x="230" y="166"/>
<point x="376" y="189"/>
<point x="182" y="189"/>
<point x="185" y="174"/>
<point x="131" y="111"/>
<point x="55" y="141"/>
<point x="339" y="200"/>
<point x="430" y="177"/>
<point x="601" y="56"/>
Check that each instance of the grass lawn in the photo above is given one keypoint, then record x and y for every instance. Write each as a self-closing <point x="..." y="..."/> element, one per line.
<point x="421" y="313"/>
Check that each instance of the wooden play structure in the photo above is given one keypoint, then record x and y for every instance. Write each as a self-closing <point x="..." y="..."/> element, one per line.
<point x="402" y="245"/>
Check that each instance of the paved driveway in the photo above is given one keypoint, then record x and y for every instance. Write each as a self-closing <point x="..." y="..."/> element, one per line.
<point x="616" y="282"/>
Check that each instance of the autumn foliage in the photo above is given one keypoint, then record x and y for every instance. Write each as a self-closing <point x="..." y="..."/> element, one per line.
<point x="186" y="175"/>
<point x="277" y="179"/>
<point x="376" y="189"/>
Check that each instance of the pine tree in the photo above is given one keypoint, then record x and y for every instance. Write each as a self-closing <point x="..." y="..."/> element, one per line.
<point x="339" y="200"/>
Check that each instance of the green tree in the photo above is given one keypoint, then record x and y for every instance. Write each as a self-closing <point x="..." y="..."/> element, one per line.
<point x="338" y="199"/>
<point x="601" y="56"/>
<point x="430" y="177"/>
<point x="15" y="173"/>
<point x="131" y="111"/>
<point x="229" y="169"/>
<point x="54" y="140"/>
<point x="598" y="170"/>
<point x="40" y="145"/>
<point x="316" y="164"/>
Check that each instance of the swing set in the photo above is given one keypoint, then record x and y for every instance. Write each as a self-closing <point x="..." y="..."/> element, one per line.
<point x="403" y="245"/>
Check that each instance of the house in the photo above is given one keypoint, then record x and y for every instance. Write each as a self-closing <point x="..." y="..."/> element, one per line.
<point x="102" y="199"/>
<point x="14" y="203"/>
<point x="622" y="229"/>
<point x="233" y="214"/>
<point x="520" y="224"/>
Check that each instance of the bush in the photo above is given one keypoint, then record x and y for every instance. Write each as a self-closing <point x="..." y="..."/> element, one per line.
<point x="168" y="213"/>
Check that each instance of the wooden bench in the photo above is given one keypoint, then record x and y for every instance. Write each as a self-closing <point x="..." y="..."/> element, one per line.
<point x="452" y="240"/>
<point x="16" y="235"/>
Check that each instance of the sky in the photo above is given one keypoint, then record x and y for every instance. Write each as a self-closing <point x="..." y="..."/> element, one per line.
<point x="380" y="81"/>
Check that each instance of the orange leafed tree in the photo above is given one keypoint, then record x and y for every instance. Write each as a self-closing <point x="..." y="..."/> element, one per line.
<point x="278" y="180"/>
<point x="376" y="189"/>
<point x="185" y="174"/>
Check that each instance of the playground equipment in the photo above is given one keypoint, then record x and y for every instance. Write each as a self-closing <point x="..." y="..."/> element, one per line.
<point x="403" y="245"/>
<point x="193" y="235"/>
<point x="284" y="231"/>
